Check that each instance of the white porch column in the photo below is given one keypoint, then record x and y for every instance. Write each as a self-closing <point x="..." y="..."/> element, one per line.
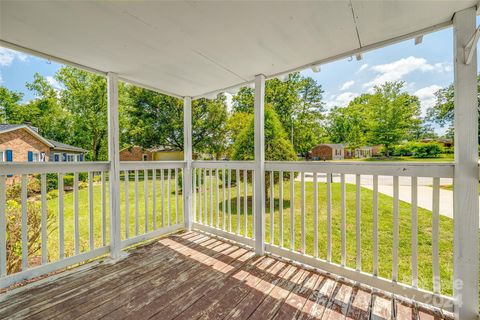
<point x="466" y="170"/>
<point x="187" y="156"/>
<point x="114" y="158"/>
<point x="259" y="111"/>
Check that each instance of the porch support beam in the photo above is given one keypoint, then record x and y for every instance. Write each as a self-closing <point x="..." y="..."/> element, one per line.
<point x="259" y="115"/>
<point x="187" y="156"/>
<point x="466" y="169"/>
<point x="114" y="158"/>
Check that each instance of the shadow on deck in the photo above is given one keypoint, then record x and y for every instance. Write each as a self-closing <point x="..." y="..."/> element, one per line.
<point x="195" y="276"/>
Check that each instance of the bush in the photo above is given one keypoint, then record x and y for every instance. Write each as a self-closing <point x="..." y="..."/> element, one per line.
<point x="52" y="194"/>
<point x="419" y="149"/>
<point x="14" y="232"/>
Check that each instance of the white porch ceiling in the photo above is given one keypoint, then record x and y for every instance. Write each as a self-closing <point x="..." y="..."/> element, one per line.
<point x="189" y="48"/>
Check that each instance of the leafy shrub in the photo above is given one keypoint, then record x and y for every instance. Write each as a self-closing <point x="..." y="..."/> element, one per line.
<point x="14" y="232"/>
<point x="52" y="194"/>
<point x="419" y="149"/>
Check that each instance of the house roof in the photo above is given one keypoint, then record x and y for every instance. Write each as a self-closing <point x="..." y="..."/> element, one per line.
<point x="191" y="48"/>
<point x="55" y="145"/>
<point x="332" y="145"/>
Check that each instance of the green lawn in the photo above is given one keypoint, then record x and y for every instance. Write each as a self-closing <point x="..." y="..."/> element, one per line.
<point x="384" y="229"/>
<point x="449" y="157"/>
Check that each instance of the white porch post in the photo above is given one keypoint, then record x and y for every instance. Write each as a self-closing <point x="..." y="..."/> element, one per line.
<point x="114" y="158"/>
<point x="466" y="170"/>
<point x="259" y="111"/>
<point x="187" y="156"/>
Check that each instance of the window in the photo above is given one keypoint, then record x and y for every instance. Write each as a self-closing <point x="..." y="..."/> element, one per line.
<point x="70" y="157"/>
<point x="144" y="157"/>
<point x="36" y="157"/>
<point x="2" y="156"/>
<point x="56" y="157"/>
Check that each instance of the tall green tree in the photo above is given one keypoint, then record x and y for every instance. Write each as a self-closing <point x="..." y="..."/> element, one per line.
<point x="9" y="102"/>
<point x="348" y="125"/>
<point x="84" y="97"/>
<point x="442" y="113"/>
<point x="157" y="120"/>
<point x="392" y="115"/>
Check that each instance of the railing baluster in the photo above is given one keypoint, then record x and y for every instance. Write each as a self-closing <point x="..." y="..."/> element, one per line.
<point x="194" y="194"/>
<point x="375" y="225"/>
<point x="245" y="203"/>
<point x="217" y="199"/>
<point x="176" y="195"/>
<point x="238" y="200"/>
<point x="200" y="197"/>
<point x="303" y="211"/>
<point x="329" y="217"/>
<point x="343" y="218"/>
<point x="43" y="200"/>
<point x="104" y="210"/>
<point x="169" y="198"/>
<point x="76" y="226"/>
<point x="145" y="197"/>
<point x="205" y="194"/>
<point x="224" y="214"/>
<point x="280" y="207"/>
<point x="211" y="197"/>
<point x="136" y="202"/>
<point x="154" y="198"/>
<point x="61" y="217"/>
<point x="395" y="229"/>
<point x="292" y="210"/>
<point x="435" y="232"/>
<point x="162" y="191"/>
<point x="271" y="209"/>
<point x="358" y="211"/>
<point x="229" y="200"/>
<point x="127" y="203"/>
<point x="253" y="204"/>
<point x="414" y="217"/>
<point x="3" y="227"/>
<point x="90" y="208"/>
<point x="315" y="214"/>
<point x="24" y="223"/>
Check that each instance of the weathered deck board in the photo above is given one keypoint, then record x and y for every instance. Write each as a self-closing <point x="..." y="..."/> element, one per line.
<point x="194" y="276"/>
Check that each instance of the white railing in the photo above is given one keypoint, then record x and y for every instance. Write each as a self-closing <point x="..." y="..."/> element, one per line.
<point x="160" y="210"/>
<point x="315" y="213"/>
<point x="56" y="215"/>
<point x="42" y="222"/>
<point x="223" y="198"/>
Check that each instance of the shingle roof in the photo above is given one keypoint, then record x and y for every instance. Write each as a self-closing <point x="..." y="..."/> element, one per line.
<point x="65" y="147"/>
<point x="56" y="145"/>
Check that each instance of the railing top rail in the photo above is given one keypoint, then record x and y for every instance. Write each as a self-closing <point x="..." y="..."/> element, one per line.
<point x="415" y="169"/>
<point x="17" y="168"/>
<point x="245" y="165"/>
<point x="146" y="165"/>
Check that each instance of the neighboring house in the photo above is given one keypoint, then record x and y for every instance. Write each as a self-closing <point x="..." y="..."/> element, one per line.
<point x="338" y="151"/>
<point x="137" y="153"/>
<point x="447" y="143"/>
<point x="22" y="143"/>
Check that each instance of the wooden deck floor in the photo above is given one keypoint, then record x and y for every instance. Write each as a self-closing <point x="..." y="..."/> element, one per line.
<point x="193" y="276"/>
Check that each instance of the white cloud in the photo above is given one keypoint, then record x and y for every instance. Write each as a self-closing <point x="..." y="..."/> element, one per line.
<point x="427" y="96"/>
<point x="347" y="85"/>
<point x="398" y="69"/>
<point x="363" y="67"/>
<point x="54" y="83"/>
<point x="342" y="99"/>
<point x="7" y="56"/>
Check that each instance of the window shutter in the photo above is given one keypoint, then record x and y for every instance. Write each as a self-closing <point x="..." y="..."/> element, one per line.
<point x="30" y="156"/>
<point x="64" y="157"/>
<point x="9" y="155"/>
<point x="42" y="156"/>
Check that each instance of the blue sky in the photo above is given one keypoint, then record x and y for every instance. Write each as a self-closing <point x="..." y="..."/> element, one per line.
<point x="425" y="68"/>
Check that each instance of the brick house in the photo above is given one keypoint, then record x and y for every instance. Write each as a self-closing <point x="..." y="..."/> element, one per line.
<point x="338" y="151"/>
<point x="137" y="153"/>
<point x="23" y="143"/>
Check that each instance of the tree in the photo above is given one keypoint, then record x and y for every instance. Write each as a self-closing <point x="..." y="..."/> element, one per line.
<point x="156" y="119"/>
<point x="392" y="115"/>
<point x="84" y="96"/>
<point x="348" y="124"/>
<point x="442" y="113"/>
<point x="298" y="104"/>
<point x="9" y="101"/>
<point x="277" y="145"/>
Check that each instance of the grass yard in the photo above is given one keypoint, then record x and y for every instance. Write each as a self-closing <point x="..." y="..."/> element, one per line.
<point x="385" y="218"/>
<point x="447" y="157"/>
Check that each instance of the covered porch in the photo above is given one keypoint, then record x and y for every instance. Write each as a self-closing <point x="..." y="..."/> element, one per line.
<point x="243" y="242"/>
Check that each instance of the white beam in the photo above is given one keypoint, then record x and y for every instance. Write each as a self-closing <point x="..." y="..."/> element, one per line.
<point x="471" y="46"/>
<point x="187" y="154"/>
<point x="114" y="158"/>
<point x="466" y="170"/>
<point x="259" y="111"/>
